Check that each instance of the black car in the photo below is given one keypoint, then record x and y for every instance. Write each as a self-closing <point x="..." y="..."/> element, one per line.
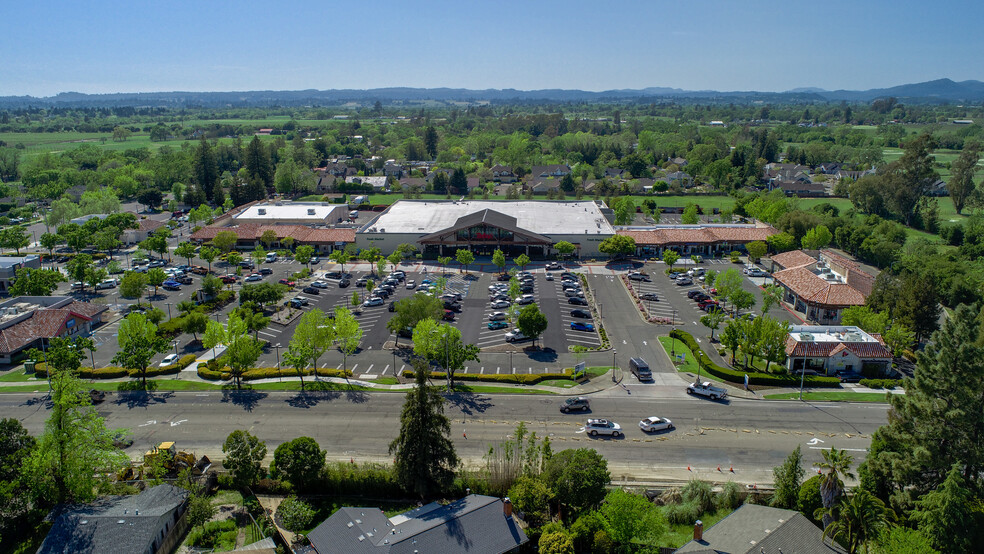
<point x="344" y="283"/>
<point x="453" y="306"/>
<point x="266" y="271"/>
<point x="503" y="277"/>
<point x="581" y="313"/>
<point x="577" y="300"/>
<point x="310" y="290"/>
<point x="568" y="274"/>
<point x="649" y="296"/>
<point x="849" y="376"/>
<point x="526" y="289"/>
<point x="382" y="293"/>
<point x="392" y="306"/>
<point x="471" y="277"/>
<point x="693" y="293"/>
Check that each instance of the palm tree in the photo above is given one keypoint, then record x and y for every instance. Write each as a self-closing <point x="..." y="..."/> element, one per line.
<point x="837" y="463"/>
<point x="861" y="518"/>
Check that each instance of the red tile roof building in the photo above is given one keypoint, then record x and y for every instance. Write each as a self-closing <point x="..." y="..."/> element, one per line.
<point x="704" y="239"/>
<point x="27" y="322"/>
<point x="821" y="287"/>
<point x="827" y="349"/>
<point x="323" y="239"/>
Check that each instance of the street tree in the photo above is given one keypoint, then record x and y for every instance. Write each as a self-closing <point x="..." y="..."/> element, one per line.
<point x="303" y="254"/>
<point x="138" y="343"/>
<point x="133" y="285"/>
<point x="712" y="321"/>
<point x="233" y="259"/>
<point x="670" y="257"/>
<point x="78" y="266"/>
<point x="225" y="241"/>
<point x="499" y="260"/>
<point x="424" y="456"/>
<point x="244" y="456"/>
<point x="412" y="310"/>
<point x="195" y="322"/>
<point x="95" y="275"/>
<point x="156" y="278"/>
<point x="258" y="254"/>
<point x="731" y="337"/>
<point x="579" y="479"/>
<point x="348" y="333"/>
<point x="49" y="241"/>
<point x="565" y="249"/>
<point x="771" y="296"/>
<point x="521" y="261"/>
<point x="268" y="238"/>
<point x="242" y="350"/>
<point x="442" y="343"/>
<point x="14" y="237"/>
<point x="728" y="283"/>
<point x="155" y="243"/>
<point x="185" y="250"/>
<point x="741" y="299"/>
<point x="340" y="257"/>
<point x="36" y="282"/>
<point x="75" y="449"/>
<point x="262" y="294"/>
<point x="756" y="249"/>
<point x="465" y="258"/>
<point x="255" y="321"/>
<point x="443" y="261"/>
<point x="617" y="246"/>
<point x="312" y="337"/>
<point x="531" y="322"/>
<point x="209" y="254"/>
<point x="787" y="479"/>
<point x="772" y="340"/>
<point x="299" y="461"/>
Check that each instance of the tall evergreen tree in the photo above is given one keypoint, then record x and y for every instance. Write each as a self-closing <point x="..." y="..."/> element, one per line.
<point x="961" y="185"/>
<point x="949" y="514"/>
<point x="430" y="141"/>
<point x="424" y="454"/>
<point x="937" y="423"/>
<point x="205" y="168"/>
<point x="258" y="164"/>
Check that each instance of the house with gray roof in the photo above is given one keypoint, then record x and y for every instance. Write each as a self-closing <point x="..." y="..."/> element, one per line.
<point x="151" y="522"/>
<point x="753" y="529"/>
<point x="475" y="524"/>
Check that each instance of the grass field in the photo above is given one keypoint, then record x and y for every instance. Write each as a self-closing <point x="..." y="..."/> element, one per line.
<point x="680" y="534"/>
<point x="831" y="396"/>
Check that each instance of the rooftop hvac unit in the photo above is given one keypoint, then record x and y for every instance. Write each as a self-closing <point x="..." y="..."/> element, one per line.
<point x="806" y="337"/>
<point x="310" y="211"/>
<point x="261" y="211"/>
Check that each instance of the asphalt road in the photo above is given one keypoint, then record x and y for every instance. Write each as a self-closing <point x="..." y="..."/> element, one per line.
<point x="747" y="435"/>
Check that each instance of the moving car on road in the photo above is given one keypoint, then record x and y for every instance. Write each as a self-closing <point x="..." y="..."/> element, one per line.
<point x="578" y="403"/>
<point x="707" y="389"/>
<point x="652" y="424"/>
<point x="595" y="427"/>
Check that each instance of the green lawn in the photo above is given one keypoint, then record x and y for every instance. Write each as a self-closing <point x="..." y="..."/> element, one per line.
<point x="16" y="376"/>
<point x="680" y="534"/>
<point x="487" y="389"/>
<point x="831" y="396"/>
<point x="559" y="383"/>
<point x="690" y="364"/>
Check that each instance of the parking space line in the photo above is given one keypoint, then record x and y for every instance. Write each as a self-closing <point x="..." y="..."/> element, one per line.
<point x="497" y="370"/>
<point x="384" y="369"/>
<point x="368" y="370"/>
<point x="353" y="368"/>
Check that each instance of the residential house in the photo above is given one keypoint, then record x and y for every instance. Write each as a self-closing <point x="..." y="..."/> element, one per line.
<point x="502" y="173"/>
<point x="938" y="188"/>
<point x="679" y="162"/>
<point x="830" y="168"/>
<point x="551" y="170"/>
<point x="474" y="183"/>
<point x="821" y="288"/>
<point x="753" y="529"/>
<point x="475" y="524"/>
<point x="9" y="266"/>
<point x="379" y="183"/>
<point x="827" y="349"/>
<point x="418" y="183"/>
<point x="151" y="522"/>
<point x="264" y="131"/>
<point x="145" y="228"/>
<point x="615" y="172"/>
<point x="680" y="178"/>
<point x="854" y="175"/>
<point x="543" y="186"/>
<point x="393" y="169"/>
<point x="799" y="188"/>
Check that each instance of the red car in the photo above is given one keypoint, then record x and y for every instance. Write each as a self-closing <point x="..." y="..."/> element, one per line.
<point x="703" y="305"/>
<point x="448" y="315"/>
<point x="228" y="279"/>
<point x="286" y="282"/>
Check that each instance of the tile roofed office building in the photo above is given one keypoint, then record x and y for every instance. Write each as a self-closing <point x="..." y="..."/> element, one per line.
<point x="147" y="523"/>
<point x="828" y="348"/>
<point x="300" y="213"/>
<point x="30" y="321"/>
<point x="752" y="529"/>
<point x="821" y="287"/>
<point x="705" y="239"/>
<point x="475" y="524"/>
<point x="531" y="227"/>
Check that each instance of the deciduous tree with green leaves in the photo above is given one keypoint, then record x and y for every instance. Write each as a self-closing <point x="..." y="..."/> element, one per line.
<point x="787" y="479"/>
<point x="756" y="249"/>
<point x="185" y="250"/>
<point x="670" y="257"/>
<point x="499" y="260"/>
<point x="531" y="322"/>
<point x="299" y="461"/>
<point x="133" y="285"/>
<point x="689" y="216"/>
<point x="465" y="258"/>
<point x="442" y="343"/>
<point x="313" y="335"/>
<point x="138" y="344"/>
<point x="36" y="282"/>
<point x="244" y="456"/>
<point x="348" y="333"/>
<point x="209" y="254"/>
<point x="156" y="278"/>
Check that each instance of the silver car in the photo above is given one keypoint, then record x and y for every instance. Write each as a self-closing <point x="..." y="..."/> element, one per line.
<point x="595" y="427"/>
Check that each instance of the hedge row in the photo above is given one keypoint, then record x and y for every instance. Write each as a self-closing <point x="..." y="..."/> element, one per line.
<point x="754" y="378"/>
<point x="225" y="373"/>
<point x="115" y="372"/>
<point x="880" y="383"/>
<point x="514" y="378"/>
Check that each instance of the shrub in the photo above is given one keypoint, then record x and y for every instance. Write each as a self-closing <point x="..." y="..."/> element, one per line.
<point x="215" y="371"/>
<point x="366" y="479"/>
<point x="214" y="534"/>
<point x="879" y="383"/>
<point x="699" y="493"/>
<point x="294" y="514"/>
<point x="684" y="514"/>
<point x="754" y="378"/>
<point x="517" y="378"/>
<point x="809" y="497"/>
<point x="731" y="496"/>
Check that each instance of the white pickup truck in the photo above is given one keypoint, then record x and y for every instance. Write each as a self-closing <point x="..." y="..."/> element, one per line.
<point x="707" y="389"/>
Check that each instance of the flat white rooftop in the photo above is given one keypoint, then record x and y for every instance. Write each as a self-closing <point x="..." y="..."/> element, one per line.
<point x="313" y="211"/>
<point x="829" y="333"/>
<point x="543" y="217"/>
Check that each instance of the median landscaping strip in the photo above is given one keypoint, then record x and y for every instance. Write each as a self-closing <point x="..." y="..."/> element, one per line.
<point x="831" y="396"/>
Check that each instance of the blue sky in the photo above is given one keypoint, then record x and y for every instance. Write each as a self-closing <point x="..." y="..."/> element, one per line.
<point x="101" y="46"/>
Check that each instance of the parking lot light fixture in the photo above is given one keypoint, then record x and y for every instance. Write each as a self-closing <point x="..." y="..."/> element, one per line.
<point x="277" y="346"/>
<point x="168" y="310"/>
<point x="614" y="352"/>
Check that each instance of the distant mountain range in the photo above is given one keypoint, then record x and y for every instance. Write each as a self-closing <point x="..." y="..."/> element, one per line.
<point x="940" y="91"/>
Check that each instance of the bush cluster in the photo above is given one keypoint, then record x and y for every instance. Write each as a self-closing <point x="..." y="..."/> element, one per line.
<point x="213" y="372"/>
<point x="115" y="372"/>
<point x="754" y="378"/>
<point x="879" y="383"/>
<point x="517" y="378"/>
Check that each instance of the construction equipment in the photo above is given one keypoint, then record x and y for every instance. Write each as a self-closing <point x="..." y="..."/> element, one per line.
<point x="176" y="461"/>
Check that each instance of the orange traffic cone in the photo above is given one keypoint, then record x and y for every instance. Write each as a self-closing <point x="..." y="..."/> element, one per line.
<point x="464" y="434"/>
<point x="688" y="468"/>
<point x="719" y="467"/>
<point x="732" y="469"/>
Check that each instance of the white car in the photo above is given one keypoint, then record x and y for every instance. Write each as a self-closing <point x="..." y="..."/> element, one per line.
<point x="525" y="299"/>
<point x="254" y="277"/>
<point x="515" y="335"/>
<point x="107" y="284"/>
<point x="500" y="304"/>
<point x="654" y="423"/>
<point x="319" y="285"/>
<point x="411" y="284"/>
<point x="168" y="360"/>
<point x="497" y="316"/>
<point x="373" y="301"/>
<point x="595" y="427"/>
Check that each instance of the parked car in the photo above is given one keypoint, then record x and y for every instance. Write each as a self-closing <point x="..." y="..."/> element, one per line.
<point x="500" y="304"/>
<point x="583" y="314"/>
<point x="392" y="306"/>
<point x="577" y="301"/>
<point x="373" y="301"/>
<point x="756" y="272"/>
<point x="314" y="260"/>
<point x="571" y="293"/>
<point x="157" y="263"/>
<point x="525" y="299"/>
<point x="503" y="277"/>
<point x="549" y="277"/>
<point x="653" y="424"/>
<point x="266" y="271"/>
<point x="287" y="282"/>
<point x="271" y="257"/>
<point x="595" y="427"/>
<point x="253" y="277"/>
<point x="649" y="296"/>
<point x="106" y="284"/>
<point x="578" y="403"/>
<point x="684" y="281"/>
<point x="849" y="376"/>
<point x="171" y="285"/>
<point x="640" y="368"/>
<point x="515" y="335"/>
<point x="310" y="290"/>
<point x="497" y="316"/>
<point x="381" y="292"/>
<point x="247" y="264"/>
<point x="448" y="315"/>
<point x="638" y="276"/>
<point x="184" y="279"/>
<point x="580" y="326"/>
<point x="319" y="285"/>
<point x="554" y="265"/>
<point x="342" y="283"/>
<point x="296" y="303"/>
<point x="361" y="282"/>
<point x="493" y="325"/>
<point x="411" y="284"/>
<point x="228" y="279"/>
<point x="168" y="360"/>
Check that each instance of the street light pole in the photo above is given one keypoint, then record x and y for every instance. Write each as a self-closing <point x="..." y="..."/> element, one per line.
<point x="802" y="378"/>
<point x="614" y="352"/>
<point x="168" y="310"/>
<point x="277" y="346"/>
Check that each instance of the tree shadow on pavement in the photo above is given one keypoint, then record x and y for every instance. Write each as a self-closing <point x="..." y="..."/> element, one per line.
<point x="541" y="355"/>
<point x="247" y="399"/>
<point x="141" y="399"/>
<point x="311" y="396"/>
<point x="469" y="403"/>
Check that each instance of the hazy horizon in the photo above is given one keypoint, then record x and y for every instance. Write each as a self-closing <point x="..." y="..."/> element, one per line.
<point x="769" y="46"/>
